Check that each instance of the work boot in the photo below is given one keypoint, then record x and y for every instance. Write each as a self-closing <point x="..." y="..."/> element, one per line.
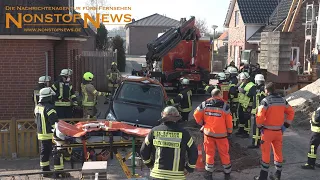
<point x="61" y="175"/>
<point x="46" y="175"/>
<point x="307" y="166"/>
<point x="252" y="147"/>
<point x="275" y="176"/>
<point x="227" y="176"/>
<point x="263" y="176"/>
<point x="208" y="175"/>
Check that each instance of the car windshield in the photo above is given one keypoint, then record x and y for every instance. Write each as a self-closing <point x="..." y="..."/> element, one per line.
<point x="141" y="94"/>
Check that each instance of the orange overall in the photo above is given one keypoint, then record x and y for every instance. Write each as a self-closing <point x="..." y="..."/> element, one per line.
<point x="270" y="118"/>
<point x="215" y="117"/>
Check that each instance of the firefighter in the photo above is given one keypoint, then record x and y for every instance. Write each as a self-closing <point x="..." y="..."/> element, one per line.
<point x="222" y="85"/>
<point x="114" y="77"/>
<point x="46" y="117"/>
<point x="273" y="114"/>
<point x="184" y="100"/>
<point x="246" y="93"/>
<point x="165" y="147"/>
<point x="143" y="72"/>
<point x="89" y="96"/>
<point x="233" y="96"/>
<point x="260" y="94"/>
<point x="215" y="117"/>
<point x="65" y="97"/>
<point x="44" y="81"/>
<point x="314" y="142"/>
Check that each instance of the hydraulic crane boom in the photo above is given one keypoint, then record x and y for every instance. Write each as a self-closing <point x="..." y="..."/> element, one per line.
<point x="170" y="39"/>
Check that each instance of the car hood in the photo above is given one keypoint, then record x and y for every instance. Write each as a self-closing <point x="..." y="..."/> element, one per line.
<point x="136" y="114"/>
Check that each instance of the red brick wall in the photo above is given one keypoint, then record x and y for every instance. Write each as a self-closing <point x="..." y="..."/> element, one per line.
<point x="237" y="35"/>
<point x="22" y="62"/>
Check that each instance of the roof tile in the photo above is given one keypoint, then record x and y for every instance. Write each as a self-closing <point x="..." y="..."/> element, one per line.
<point x="155" y="20"/>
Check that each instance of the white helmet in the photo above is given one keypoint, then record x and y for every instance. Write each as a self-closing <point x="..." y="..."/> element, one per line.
<point x="185" y="81"/>
<point x="170" y="113"/>
<point x="143" y="65"/>
<point x="232" y="70"/>
<point x="44" y="79"/>
<point x="259" y="77"/>
<point x="66" y="72"/>
<point x="244" y="75"/>
<point x="222" y="76"/>
<point x="46" y="92"/>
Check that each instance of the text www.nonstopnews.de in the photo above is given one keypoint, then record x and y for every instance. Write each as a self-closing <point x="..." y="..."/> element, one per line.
<point x="52" y="29"/>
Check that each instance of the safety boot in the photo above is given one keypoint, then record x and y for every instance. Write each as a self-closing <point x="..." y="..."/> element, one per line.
<point x="263" y="176"/>
<point x="208" y="175"/>
<point x="275" y="176"/>
<point x="227" y="176"/>
<point x="61" y="175"/>
<point x="307" y="166"/>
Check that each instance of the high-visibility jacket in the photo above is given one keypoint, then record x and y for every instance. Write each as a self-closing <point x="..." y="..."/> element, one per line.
<point x="89" y="94"/>
<point x="260" y="94"/>
<point x="184" y="98"/>
<point x="114" y="77"/>
<point x="215" y="117"/>
<point x="245" y="98"/>
<point x="271" y="113"/>
<point x="315" y="121"/>
<point x="208" y="88"/>
<point x="46" y="117"/>
<point x="65" y="94"/>
<point x="164" y="151"/>
<point x="233" y="90"/>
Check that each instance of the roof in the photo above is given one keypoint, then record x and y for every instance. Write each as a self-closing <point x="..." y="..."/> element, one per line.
<point x="224" y="36"/>
<point x="13" y="30"/>
<point x="252" y="11"/>
<point x="275" y="21"/>
<point x="155" y="20"/>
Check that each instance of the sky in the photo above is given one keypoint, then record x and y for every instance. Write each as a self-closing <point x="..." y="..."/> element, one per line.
<point x="213" y="11"/>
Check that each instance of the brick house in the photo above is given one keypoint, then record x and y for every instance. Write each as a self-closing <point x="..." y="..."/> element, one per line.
<point x="243" y="19"/>
<point x="300" y="31"/>
<point x="143" y="31"/>
<point x="22" y="56"/>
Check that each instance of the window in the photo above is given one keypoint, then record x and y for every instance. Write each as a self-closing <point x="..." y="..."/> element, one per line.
<point x="71" y="5"/>
<point x="237" y="14"/>
<point x="139" y="93"/>
<point x="295" y="57"/>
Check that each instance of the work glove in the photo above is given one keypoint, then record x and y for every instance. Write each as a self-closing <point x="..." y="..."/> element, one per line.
<point x="229" y="136"/>
<point x="283" y="129"/>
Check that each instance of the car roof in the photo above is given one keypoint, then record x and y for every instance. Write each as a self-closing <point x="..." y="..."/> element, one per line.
<point x="145" y="80"/>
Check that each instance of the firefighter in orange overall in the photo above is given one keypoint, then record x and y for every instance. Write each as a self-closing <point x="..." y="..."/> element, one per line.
<point x="215" y="118"/>
<point x="273" y="116"/>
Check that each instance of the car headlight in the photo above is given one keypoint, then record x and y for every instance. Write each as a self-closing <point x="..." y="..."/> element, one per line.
<point x="111" y="117"/>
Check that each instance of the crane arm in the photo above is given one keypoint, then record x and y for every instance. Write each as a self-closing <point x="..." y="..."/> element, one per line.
<point x="170" y="39"/>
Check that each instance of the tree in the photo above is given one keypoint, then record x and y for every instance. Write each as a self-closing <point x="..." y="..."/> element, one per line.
<point x="201" y="24"/>
<point x="102" y="38"/>
<point x="117" y="44"/>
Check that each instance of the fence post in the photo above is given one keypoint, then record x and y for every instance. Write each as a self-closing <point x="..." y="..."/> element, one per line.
<point x="13" y="138"/>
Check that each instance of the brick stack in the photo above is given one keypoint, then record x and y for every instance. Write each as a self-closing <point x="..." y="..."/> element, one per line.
<point x="275" y="53"/>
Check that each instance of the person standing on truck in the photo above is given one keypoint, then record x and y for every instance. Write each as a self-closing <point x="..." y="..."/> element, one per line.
<point x="233" y="96"/>
<point x="215" y="118"/>
<point x="184" y="100"/>
<point x="89" y="96"/>
<point x="165" y="147"/>
<point x="260" y="94"/>
<point x="274" y="115"/>
<point x="246" y="93"/>
<point x="144" y="72"/>
<point x="314" y="141"/>
<point x="44" y="81"/>
<point x="65" y="97"/>
<point x="114" y="77"/>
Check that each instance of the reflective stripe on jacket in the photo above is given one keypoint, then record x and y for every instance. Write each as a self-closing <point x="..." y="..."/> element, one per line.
<point x="271" y="112"/>
<point x="164" y="150"/>
<point x="46" y="117"/>
<point x="243" y="98"/>
<point x="64" y="94"/>
<point x="89" y="94"/>
<point x="315" y="121"/>
<point x="215" y="117"/>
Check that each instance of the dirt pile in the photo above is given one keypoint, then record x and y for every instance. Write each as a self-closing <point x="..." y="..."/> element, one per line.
<point x="305" y="101"/>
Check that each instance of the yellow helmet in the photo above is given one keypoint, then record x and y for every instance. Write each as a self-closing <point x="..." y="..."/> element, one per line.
<point x="113" y="64"/>
<point x="88" y="76"/>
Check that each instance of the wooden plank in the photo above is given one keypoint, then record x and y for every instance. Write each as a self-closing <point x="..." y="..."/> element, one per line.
<point x="5" y="143"/>
<point x="28" y="142"/>
<point x="21" y="144"/>
<point x="1" y="144"/>
<point x="287" y="21"/>
<point x="34" y="144"/>
<point x="295" y="15"/>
